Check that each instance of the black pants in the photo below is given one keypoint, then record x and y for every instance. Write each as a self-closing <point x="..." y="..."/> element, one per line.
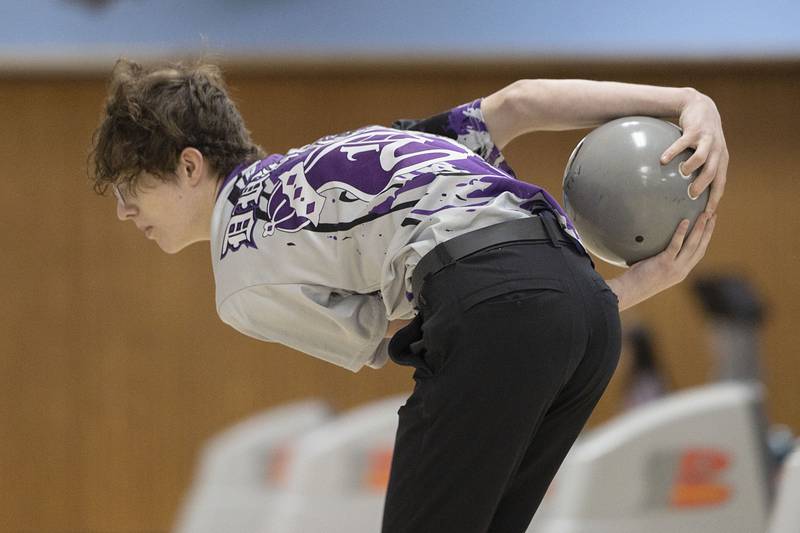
<point x="512" y="347"/>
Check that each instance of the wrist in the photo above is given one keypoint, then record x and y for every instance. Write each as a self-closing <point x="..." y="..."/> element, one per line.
<point x="688" y="95"/>
<point x="632" y="288"/>
<point x="618" y="286"/>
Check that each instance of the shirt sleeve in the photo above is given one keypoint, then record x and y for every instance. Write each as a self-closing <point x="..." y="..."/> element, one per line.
<point x="346" y="329"/>
<point x="465" y="125"/>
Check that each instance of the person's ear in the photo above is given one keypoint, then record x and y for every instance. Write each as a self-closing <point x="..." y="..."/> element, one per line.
<point x="191" y="165"/>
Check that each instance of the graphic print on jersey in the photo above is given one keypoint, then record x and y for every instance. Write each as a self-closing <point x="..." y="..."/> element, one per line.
<point x="378" y="170"/>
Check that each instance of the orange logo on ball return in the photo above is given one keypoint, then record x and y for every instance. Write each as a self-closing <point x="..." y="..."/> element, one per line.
<point x="698" y="480"/>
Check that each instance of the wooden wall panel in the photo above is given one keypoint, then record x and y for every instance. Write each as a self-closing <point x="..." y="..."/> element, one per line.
<point x="114" y="368"/>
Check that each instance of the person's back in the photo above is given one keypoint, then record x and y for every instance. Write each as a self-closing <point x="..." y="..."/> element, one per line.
<point x="351" y="214"/>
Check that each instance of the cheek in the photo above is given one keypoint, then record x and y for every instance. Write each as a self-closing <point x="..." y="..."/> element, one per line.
<point x="175" y="219"/>
<point x="166" y="209"/>
<point x="161" y="211"/>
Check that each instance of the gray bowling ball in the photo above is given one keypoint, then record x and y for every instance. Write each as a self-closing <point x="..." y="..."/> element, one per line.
<point x="625" y="204"/>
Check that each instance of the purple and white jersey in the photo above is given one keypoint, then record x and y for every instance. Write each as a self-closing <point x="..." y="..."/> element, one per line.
<point x="315" y="249"/>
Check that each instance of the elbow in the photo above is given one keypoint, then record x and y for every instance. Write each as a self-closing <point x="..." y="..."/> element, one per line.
<point x="519" y="95"/>
<point x="506" y="112"/>
<point x="524" y="102"/>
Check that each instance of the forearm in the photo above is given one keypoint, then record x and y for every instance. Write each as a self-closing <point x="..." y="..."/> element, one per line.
<point x="538" y="105"/>
<point x="628" y="293"/>
<point x="647" y="278"/>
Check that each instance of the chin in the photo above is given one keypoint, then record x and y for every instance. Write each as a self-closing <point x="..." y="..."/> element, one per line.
<point x="172" y="248"/>
<point x="171" y="251"/>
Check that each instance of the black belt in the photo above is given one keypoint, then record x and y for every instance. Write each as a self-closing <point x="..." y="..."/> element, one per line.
<point x="539" y="227"/>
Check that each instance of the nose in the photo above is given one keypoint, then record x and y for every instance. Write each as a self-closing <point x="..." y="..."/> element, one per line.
<point x="125" y="211"/>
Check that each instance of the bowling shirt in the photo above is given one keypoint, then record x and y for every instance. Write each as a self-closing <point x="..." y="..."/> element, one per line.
<point x="315" y="248"/>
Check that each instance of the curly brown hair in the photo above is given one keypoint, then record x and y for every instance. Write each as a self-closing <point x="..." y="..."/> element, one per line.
<point x="152" y="114"/>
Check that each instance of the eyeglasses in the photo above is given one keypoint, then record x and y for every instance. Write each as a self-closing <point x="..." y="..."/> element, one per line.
<point x="118" y="194"/>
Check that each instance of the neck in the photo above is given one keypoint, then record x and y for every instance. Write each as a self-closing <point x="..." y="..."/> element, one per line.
<point x="217" y="188"/>
<point x="206" y="212"/>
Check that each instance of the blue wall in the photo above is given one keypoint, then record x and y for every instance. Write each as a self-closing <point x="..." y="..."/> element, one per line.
<point x="671" y="28"/>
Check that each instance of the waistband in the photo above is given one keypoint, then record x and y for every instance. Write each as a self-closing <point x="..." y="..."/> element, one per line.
<point x="541" y="227"/>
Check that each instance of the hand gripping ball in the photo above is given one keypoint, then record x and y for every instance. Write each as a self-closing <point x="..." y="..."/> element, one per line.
<point x="625" y="204"/>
